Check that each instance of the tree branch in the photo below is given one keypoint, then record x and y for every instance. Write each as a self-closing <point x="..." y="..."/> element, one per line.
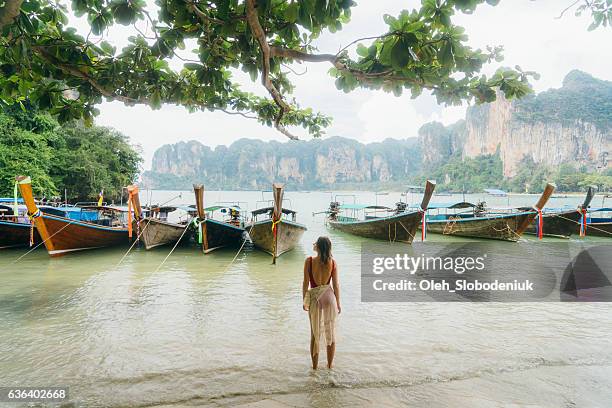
<point x="203" y="16"/>
<point x="9" y="12"/>
<point x="76" y="72"/>
<point x="258" y="32"/>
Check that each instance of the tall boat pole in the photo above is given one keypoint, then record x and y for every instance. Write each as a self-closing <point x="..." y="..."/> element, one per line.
<point x="25" y="187"/>
<point x="199" y="197"/>
<point x="589" y="197"/>
<point x="430" y="186"/>
<point x="548" y="191"/>
<point x="277" y="214"/>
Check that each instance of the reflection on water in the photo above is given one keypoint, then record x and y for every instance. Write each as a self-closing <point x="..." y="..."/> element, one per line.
<point x="203" y="330"/>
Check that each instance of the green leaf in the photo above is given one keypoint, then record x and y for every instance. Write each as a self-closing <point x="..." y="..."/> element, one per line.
<point x="400" y="55"/>
<point x="155" y="100"/>
<point x="123" y="12"/>
<point x="291" y="12"/>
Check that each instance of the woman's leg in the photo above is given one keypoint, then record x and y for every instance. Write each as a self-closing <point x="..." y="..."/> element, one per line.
<point x="314" y="357"/>
<point x="331" y="350"/>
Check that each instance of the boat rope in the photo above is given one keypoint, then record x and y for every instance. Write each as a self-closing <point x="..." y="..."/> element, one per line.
<point x="449" y="227"/>
<point x="404" y="227"/>
<point x="134" y="243"/>
<point x="589" y="225"/>
<point x="239" y="250"/>
<point x="48" y="238"/>
<point x="173" y="248"/>
<point x="395" y="235"/>
<point x="507" y="229"/>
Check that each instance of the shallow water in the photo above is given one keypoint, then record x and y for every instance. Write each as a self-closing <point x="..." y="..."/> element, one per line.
<point x="203" y="330"/>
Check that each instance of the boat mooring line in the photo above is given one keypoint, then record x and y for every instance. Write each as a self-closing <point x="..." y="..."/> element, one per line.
<point x="36" y="246"/>
<point x="134" y="243"/>
<point x="588" y="225"/>
<point x="240" y="249"/>
<point x="173" y="248"/>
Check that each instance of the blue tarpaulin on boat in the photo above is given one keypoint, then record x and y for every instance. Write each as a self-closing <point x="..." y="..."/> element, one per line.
<point x="10" y="200"/>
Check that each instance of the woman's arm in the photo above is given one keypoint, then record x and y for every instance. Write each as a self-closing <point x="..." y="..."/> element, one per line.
<point x="306" y="281"/>
<point x="336" y="285"/>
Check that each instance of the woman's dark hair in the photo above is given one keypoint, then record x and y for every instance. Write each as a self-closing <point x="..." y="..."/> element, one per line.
<point x="324" y="247"/>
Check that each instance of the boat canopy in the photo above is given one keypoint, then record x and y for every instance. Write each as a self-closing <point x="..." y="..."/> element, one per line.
<point x="462" y="204"/>
<point x="102" y="207"/>
<point x="163" y="209"/>
<point x="268" y="209"/>
<point x="220" y="207"/>
<point x="495" y="192"/>
<point x="10" y="200"/>
<point x="363" y="207"/>
<point x="601" y="209"/>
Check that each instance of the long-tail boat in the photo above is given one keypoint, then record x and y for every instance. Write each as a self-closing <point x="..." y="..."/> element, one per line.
<point x="598" y="223"/>
<point x="214" y="233"/>
<point x="400" y="226"/>
<point x="278" y="232"/>
<point x="155" y="229"/>
<point x="62" y="235"/>
<point x="562" y="222"/>
<point x="16" y="230"/>
<point x="481" y="223"/>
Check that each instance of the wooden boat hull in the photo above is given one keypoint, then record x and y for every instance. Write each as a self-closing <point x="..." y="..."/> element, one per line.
<point x="560" y="224"/>
<point x="155" y="232"/>
<point x="220" y="234"/>
<point x="501" y="227"/>
<point x="66" y="235"/>
<point x="400" y="228"/>
<point x="288" y="233"/>
<point x="597" y="229"/>
<point x="16" y="234"/>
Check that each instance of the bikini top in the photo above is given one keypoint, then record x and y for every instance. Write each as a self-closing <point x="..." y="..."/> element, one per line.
<point x="313" y="284"/>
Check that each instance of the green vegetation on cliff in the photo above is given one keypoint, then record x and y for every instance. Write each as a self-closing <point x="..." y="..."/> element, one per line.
<point x="82" y="160"/>
<point x="582" y="98"/>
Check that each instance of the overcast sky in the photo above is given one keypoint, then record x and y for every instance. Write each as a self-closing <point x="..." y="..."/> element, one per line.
<point x="533" y="38"/>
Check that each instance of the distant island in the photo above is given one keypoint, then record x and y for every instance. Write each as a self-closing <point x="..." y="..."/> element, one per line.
<point x="563" y="135"/>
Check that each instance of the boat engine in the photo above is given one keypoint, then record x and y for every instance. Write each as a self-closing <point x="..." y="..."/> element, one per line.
<point x="400" y="207"/>
<point x="480" y="210"/>
<point x="334" y="209"/>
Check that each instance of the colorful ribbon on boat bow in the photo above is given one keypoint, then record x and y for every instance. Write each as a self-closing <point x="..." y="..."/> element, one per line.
<point x="274" y="227"/>
<point x="424" y="226"/>
<point x="31" y="217"/>
<point x="15" y="208"/>
<point x="583" y="222"/>
<point x="539" y="223"/>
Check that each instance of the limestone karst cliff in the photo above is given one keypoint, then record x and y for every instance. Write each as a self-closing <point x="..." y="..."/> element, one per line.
<point x="253" y="164"/>
<point x="571" y="125"/>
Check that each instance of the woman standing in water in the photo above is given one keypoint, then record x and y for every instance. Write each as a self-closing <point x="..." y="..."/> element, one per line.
<point x="322" y="300"/>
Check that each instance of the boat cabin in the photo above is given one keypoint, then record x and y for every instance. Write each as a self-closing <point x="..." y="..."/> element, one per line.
<point x="446" y="211"/>
<point x="267" y="213"/>
<point x="231" y="214"/>
<point x="356" y="212"/>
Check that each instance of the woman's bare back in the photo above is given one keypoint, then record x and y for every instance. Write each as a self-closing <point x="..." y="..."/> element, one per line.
<point x="321" y="273"/>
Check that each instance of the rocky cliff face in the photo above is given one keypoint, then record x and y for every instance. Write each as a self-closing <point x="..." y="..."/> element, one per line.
<point x="252" y="164"/>
<point x="571" y="125"/>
